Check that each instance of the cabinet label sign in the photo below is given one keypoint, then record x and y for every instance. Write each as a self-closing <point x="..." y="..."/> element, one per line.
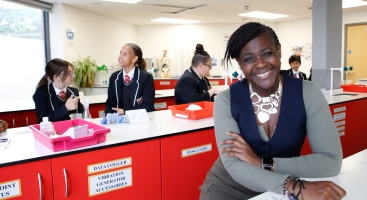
<point x="10" y="189"/>
<point x="99" y="167"/>
<point x="340" y="123"/>
<point x="110" y="181"/>
<point x="339" y="116"/>
<point x="340" y="109"/>
<point x="196" y="150"/>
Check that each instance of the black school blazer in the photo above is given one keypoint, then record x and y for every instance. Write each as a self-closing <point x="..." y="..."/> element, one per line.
<point x="191" y="88"/>
<point x="143" y="86"/>
<point x="48" y="105"/>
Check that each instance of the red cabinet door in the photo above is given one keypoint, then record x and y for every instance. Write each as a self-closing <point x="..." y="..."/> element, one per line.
<point x="164" y="84"/>
<point x="27" y="118"/>
<point x="27" y="181"/>
<point x="97" y="110"/>
<point x="344" y="117"/>
<point x="12" y="118"/>
<point x="163" y="103"/>
<point x="130" y="171"/>
<point x="186" y="159"/>
<point x="360" y="125"/>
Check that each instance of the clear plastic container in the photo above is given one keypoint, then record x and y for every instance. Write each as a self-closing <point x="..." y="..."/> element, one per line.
<point x="46" y="126"/>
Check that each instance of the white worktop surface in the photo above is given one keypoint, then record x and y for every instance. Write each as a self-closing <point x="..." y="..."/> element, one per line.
<point x="352" y="178"/>
<point x="24" y="147"/>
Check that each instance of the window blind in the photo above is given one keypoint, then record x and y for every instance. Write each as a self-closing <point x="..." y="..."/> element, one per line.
<point x="34" y="4"/>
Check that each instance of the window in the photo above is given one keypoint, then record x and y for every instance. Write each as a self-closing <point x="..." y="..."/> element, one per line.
<point x="22" y="50"/>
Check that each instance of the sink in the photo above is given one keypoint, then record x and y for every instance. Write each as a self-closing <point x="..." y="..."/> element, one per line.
<point x="345" y="95"/>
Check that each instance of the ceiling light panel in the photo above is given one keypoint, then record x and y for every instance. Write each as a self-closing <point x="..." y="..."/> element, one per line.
<point x="263" y="15"/>
<point x="353" y="3"/>
<point x="175" y="21"/>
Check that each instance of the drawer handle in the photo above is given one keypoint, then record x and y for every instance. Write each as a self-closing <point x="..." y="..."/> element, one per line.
<point x="13" y="123"/>
<point x="40" y="185"/>
<point x="66" y="183"/>
<point x="26" y="119"/>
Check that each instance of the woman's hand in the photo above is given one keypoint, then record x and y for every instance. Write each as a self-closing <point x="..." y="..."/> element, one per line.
<point x="72" y="103"/>
<point x="318" y="190"/>
<point x="119" y="111"/>
<point x="240" y="149"/>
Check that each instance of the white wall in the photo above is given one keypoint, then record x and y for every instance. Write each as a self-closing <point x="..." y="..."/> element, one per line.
<point x="294" y="33"/>
<point x="152" y="39"/>
<point x="97" y="36"/>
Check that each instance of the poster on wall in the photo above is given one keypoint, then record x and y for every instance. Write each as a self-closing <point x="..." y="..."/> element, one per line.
<point x="308" y="51"/>
<point x="297" y="50"/>
<point x="70" y="35"/>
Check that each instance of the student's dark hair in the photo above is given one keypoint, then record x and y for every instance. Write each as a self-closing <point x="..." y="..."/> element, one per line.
<point x="140" y="63"/>
<point x="294" y="58"/>
<point x="200" y="56"/>
<point x="54" y="67"/>
<point x="243" y="35"/>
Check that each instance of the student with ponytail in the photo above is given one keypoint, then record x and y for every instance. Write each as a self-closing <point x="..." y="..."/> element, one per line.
<point x="193" y="86"/>
<point x="53" y="97"/>
<point x="132" y="87"/>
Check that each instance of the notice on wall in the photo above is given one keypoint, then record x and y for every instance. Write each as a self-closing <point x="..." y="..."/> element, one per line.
<point x="339" y="116"/>
<point x="308" y="51"/>
<point x="110" y="181"/>
<point x="340" y="109"/>
<point x="99" y="167"/>
<point x="10" y="189"/>
<point x="196" y="150"/>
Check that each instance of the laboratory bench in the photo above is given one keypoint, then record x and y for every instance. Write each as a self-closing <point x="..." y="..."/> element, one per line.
<point x="165" y="158"/>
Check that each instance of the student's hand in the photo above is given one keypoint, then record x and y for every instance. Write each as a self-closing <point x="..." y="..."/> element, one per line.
<point x="72" y="103"/>
<point x="119" y="111"/>
<point x="318" y="190"/>
<point x="240" y="149"/>
<point x="213" y="91"/>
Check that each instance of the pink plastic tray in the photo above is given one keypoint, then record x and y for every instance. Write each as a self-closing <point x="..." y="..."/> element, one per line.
<point x="66" y="142"/>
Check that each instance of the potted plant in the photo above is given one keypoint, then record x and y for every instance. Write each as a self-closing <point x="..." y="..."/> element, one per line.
<point x="84" y="70"/>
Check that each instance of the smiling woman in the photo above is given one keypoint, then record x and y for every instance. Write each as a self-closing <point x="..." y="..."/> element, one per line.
<point x="259" y="138"/>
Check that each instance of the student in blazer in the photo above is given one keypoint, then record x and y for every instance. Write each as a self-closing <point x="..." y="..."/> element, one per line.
<point x="295" y="63"/>
<point x="193" y="86"/>
<point x="132" y="87"/>
<point x="53" y="97"/>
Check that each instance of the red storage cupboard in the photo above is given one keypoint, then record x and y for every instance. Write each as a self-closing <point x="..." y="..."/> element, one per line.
<point x="31" y="180"/>
<point x="130" y="171"/>
<point x="186" y="159"/>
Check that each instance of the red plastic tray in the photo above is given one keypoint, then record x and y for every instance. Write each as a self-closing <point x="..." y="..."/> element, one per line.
<point x="66" y="142"/>
<point x="180" y="110"/>
<point x="354" y="88"/>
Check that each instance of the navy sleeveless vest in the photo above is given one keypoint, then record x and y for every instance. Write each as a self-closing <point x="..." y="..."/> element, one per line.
<point x="290" y="131"/>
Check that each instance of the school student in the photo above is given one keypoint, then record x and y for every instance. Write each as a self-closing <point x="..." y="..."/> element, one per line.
<point x="53" y="97"/>
<point x="193" y="86"/>
<point x="132" y="87"/>
<point x="295" y="63"/>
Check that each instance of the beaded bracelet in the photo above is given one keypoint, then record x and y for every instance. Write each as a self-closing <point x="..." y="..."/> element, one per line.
<point x="292" y="196"/>
<point x="285" y="191"/>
